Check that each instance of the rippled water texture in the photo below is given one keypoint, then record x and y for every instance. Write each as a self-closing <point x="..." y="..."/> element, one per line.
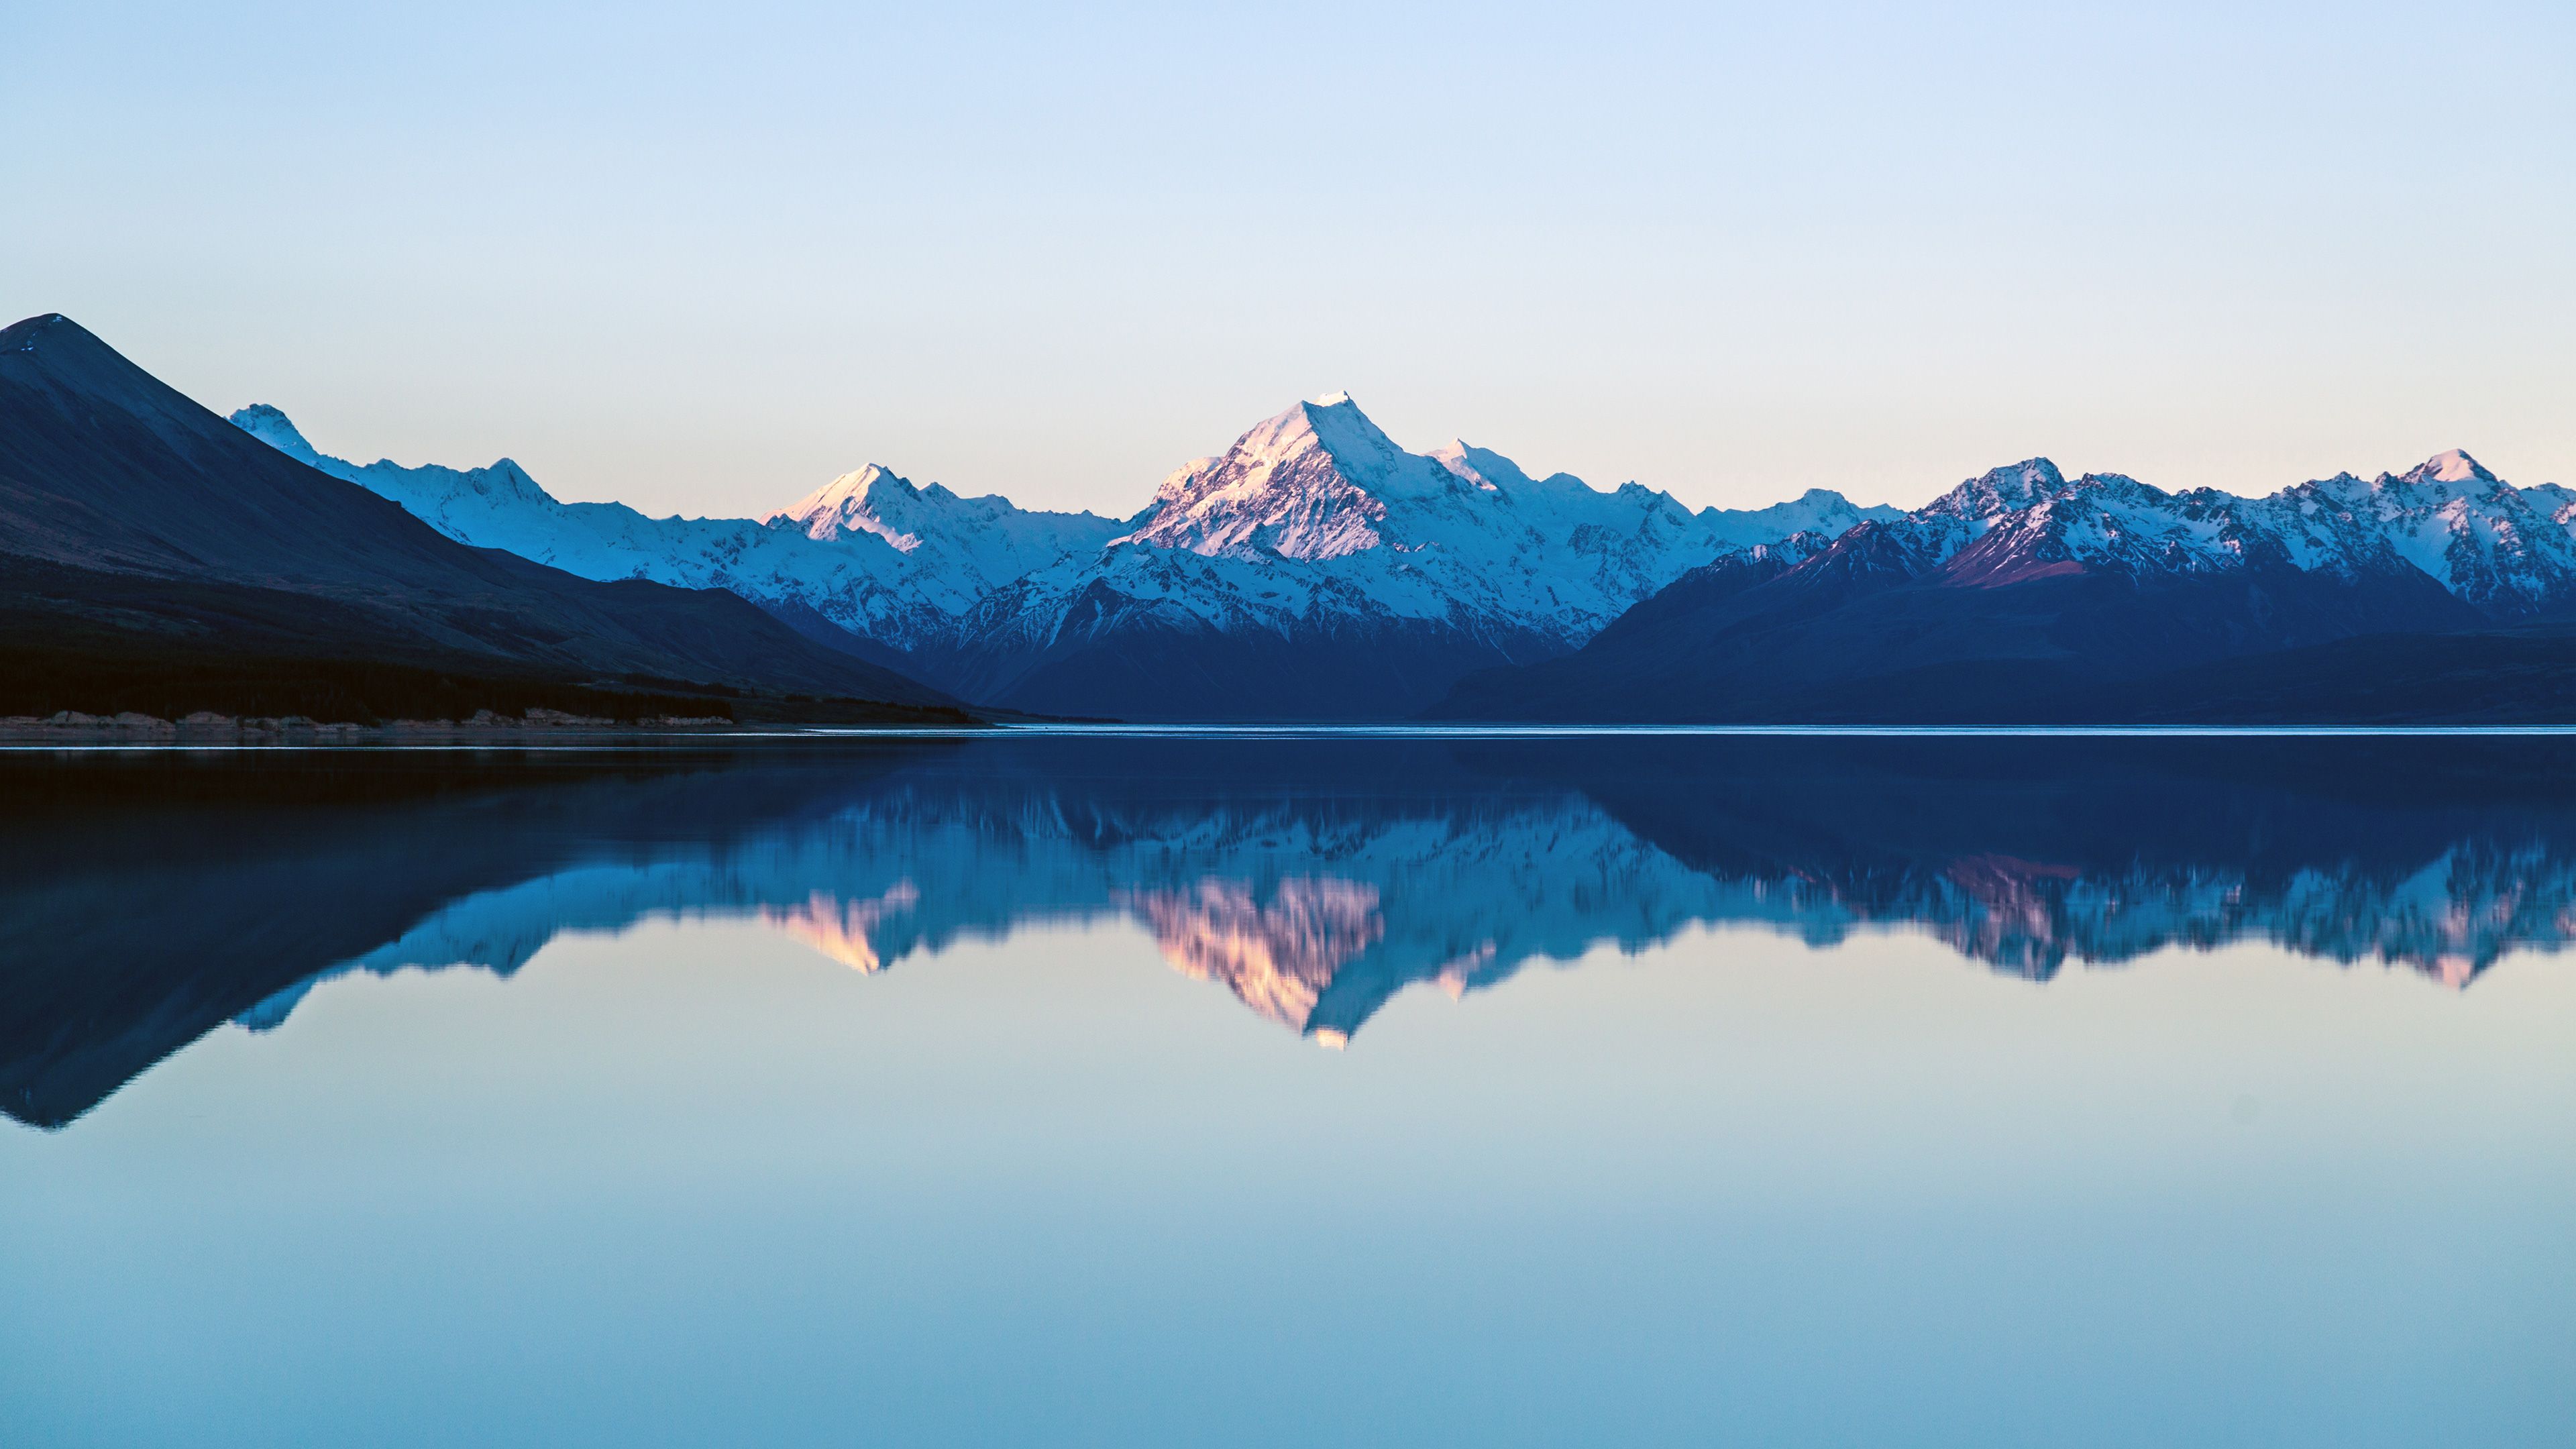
<point x="1974" y="1091"/>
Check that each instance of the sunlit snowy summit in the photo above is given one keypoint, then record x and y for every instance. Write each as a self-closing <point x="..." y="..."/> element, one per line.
<point x="1316" y="569"/>
<point x="1259" y="574"/>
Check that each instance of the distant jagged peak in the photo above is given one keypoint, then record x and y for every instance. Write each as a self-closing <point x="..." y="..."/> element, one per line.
<point x="2447" y="480"/>
<point x="2001" y="490"/>
<point x="1491" y="472"/>
<point x="2099" y="493"/>
<point x="1312" y="482"/>
<point x="2452" y="465"/>
<point x="1483" y="467"/>
<point x="1817" y="509"/>
<point x="502" y="476"/>
<point x="855" y="502"/>
<point x="271" y="425"/>
<point x="970" y="542"/>
<point x="1798" y="547"/>
<point x="1333" y="425"/>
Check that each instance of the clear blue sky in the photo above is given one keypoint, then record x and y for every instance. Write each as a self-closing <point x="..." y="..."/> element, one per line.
<point x="703" y="259"/>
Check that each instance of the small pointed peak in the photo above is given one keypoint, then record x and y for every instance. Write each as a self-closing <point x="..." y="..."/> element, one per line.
<point x="2454" y="465"/>
<point x="862" y="481"/>
<point x="850" y="504"/>
<point x="1483" y="467"/>
<point x="2013" y="486"/>
<point x="2032" y="472"/>
<point x="1453" y="455"/>
<point x="24" y="334"/>
<point x="1334" y="424"/>
<point x="877" y="478"/>
<point x="271" y="426"/>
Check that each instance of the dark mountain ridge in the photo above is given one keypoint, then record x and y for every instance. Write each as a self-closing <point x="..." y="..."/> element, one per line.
<point x="2025" y="597"/>
<point x="139" y="531"/>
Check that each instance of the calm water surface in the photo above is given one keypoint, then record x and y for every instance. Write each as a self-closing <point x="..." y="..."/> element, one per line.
<point x="1292" y="1091"/>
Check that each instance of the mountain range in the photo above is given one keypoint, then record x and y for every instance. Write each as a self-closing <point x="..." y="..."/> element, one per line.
<point x="154" y="558"/>
<point x="2438" y="593"/>
<point x="1316" y="570"/>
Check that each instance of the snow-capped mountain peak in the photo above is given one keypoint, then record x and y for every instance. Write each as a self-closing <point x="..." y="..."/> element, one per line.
<point x="855" y="502"/>
<point x="1332" y="424"/>
<point x="272" y="427"/>
<point x="1483" y="467"/>
<point x="1316" y="568"/>
<point x="1314" y="482"/>
<point x="2001" y="490"/>
<point x="502" y="480"/>
<point x="868" y="551"/>
<point x="2452" y="465"/>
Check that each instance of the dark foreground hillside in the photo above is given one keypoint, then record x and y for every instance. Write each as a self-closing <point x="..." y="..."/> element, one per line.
<point x="1841" y="640"/>
<point x="154" y="557"/>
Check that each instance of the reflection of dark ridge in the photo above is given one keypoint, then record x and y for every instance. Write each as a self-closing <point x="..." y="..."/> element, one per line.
<point x="147" y="901"/>
<point x="1959" y="834"/>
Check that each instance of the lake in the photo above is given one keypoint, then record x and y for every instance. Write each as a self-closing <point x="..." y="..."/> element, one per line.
<point x="1172" y="1088"/>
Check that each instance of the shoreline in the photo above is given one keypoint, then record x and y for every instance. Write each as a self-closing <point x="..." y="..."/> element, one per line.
<point x="206" y="727"/>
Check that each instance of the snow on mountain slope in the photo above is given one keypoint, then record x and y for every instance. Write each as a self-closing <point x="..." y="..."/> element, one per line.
<point x="1381" y="573"/>
<point x="895" y="584"/>
<point x="1314" y="912"/>
<point x="987" y="539"/>
<point x="1316" y="569"/>
<point x="2507" y="551"/>
<point x="1320" y="482"/>
<point x="1316" y="537"/>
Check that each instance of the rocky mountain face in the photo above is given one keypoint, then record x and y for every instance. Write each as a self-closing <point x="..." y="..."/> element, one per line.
<point x="2024" y="592"/>
<point x="2502" y="550"/>
<point x="1313" y="570"/>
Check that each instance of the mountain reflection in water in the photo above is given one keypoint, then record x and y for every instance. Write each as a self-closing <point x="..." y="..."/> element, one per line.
<point x="147" y="900"/>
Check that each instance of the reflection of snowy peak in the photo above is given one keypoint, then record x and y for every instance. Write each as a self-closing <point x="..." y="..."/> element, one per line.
<point x="1315" y="911"/>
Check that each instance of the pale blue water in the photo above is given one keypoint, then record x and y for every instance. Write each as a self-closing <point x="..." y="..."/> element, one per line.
<point x="1314" y="1090"/>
